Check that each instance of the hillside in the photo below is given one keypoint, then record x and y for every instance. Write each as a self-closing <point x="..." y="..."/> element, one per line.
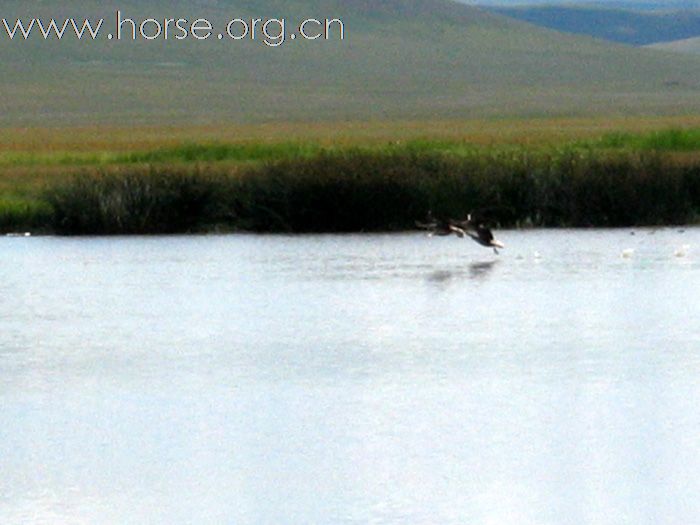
<point x="405" y="59"/>
<point x="637" y="5"/>
<point x="618" y="25"/>
<point x="688" y="45"/>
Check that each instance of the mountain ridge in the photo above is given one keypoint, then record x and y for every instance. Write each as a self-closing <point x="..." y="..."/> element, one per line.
<point x="616" y="24"/>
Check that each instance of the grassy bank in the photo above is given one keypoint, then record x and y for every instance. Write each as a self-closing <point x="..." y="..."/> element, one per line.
<point x="363" y="191"/>
<point x="357" y="183"/>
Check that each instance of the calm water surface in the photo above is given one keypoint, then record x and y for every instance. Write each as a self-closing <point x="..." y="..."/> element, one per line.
<point x="351" y="379"/>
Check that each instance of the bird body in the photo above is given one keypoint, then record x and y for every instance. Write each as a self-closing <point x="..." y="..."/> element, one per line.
<point x="480" y="234"/>
<point x="484" y="237"/>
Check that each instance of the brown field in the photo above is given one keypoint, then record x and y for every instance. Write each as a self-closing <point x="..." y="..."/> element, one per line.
<point x="481" y="132"/>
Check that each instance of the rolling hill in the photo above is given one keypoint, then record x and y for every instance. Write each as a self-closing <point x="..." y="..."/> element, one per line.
<point x="626" y="26"/>
<point x="401" y="59"/>
<point x="688" y="45"/>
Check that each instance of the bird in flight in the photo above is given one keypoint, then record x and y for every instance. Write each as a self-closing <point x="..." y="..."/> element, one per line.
<point x="474" y="229"/>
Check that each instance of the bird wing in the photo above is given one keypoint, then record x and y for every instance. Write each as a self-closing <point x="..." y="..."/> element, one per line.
<point x="459" y="231"/>
<point x="463" y="225"/>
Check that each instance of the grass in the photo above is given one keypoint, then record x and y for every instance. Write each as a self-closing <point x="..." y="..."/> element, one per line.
<point x="561" y="173"/>
<point x="184" y="153"/>
<point x="675" y="139"/>
<point x="24" y="215"/>
<point x="458" y="141"/>
<point x="357" y="190"/>
<point x="134" y="201"/>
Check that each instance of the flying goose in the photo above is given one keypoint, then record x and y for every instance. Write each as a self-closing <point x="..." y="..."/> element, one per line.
<point x="483" y="235"/>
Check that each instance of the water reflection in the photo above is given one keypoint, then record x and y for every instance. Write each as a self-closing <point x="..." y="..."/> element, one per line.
<point x="477" y="271"/>
<point x="481" y="270"/>
<point x="441" y="276"/>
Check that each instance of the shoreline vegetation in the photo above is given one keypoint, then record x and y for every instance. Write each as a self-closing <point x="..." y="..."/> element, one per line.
<point x="613" y="179"/>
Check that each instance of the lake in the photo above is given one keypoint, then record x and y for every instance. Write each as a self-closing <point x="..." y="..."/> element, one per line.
<point x="351" y="379"/>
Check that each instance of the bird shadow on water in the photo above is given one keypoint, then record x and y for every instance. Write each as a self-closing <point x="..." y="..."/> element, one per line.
<point x="476" y="271"/>
<point x="481" y="270"/>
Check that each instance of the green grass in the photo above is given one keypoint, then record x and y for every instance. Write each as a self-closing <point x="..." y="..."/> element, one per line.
<point x="252" y="151"/>
<point x="664" y="140"/>
<point x="135" y="201"/>
<point x="218" y="152"/>
<point x="355" y="190"/>
<point x="25" y="215"/>
<point x="213" y="152"/>
<point x="619" y="179"/>
<point x="185" y="153"/>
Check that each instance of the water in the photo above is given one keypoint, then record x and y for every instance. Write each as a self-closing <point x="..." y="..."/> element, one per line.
<point x="351" y="379"/>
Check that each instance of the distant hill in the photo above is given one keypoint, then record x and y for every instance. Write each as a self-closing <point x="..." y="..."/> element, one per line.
<point x="402" y="59"/>
<point x="618" y="25"/>
<point x="637" y="5"/>
<point x="648" y="5"/>
<point x="689" y="45"/>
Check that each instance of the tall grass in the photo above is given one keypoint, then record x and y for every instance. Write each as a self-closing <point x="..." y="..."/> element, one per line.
<point x="218" y="152"/>
<point x="21" y="215"/>
<point x="183" y="153"/>
<point x="213" y="152"/>
<point x="674" y="139"/>
<point x="135" y="202"/>
<point x="356" y="190"/>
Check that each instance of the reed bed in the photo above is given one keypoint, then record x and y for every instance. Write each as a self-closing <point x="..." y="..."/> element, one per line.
<point x="25" y="215"/>
<point x="135" y="201"/>
<point x="358" y="190"/>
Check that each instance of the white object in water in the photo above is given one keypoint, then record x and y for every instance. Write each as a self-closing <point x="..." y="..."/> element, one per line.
<point x="682" y="251"/>
<point x="25" y="234"/>
<point x="628" y="253"/>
